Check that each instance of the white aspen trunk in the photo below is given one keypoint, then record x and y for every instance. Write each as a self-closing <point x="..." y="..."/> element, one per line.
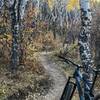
<point x="84" y="39"/>
<point x="84" y="36"/>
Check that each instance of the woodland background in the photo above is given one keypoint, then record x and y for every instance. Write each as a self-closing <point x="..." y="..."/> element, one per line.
<point x="45" y="26"/>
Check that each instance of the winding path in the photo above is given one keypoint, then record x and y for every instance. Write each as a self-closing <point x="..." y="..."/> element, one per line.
<point x="57" y="76"/>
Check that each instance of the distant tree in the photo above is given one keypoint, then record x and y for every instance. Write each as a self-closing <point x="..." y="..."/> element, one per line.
<point x="15" y="26"/>
<point x="96" y="36"/>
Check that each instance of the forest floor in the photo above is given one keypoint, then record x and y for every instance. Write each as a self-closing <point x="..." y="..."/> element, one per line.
<point x="46" y="85"/>
<point x="56" y="74"/>
<point x="58" y="67"/>
<point x="31" y="82"/>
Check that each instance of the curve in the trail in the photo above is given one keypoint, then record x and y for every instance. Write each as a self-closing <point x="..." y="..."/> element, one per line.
<point x="56" y="74"/>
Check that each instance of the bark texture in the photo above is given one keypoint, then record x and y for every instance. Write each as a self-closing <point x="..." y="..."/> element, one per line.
<point x="14" y="10"/>
<point x="97" y="52"/>
<point x="84" y="36"/>
<point x="84" y="42"/>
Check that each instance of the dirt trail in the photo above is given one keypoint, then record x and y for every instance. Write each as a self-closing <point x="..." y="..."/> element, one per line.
<point x="57" y="76"/>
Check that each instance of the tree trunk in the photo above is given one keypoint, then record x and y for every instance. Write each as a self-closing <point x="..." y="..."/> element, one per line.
<point x="84" y="41"/>
<point x="15" y="34"/>
<point x="97" y="52"/>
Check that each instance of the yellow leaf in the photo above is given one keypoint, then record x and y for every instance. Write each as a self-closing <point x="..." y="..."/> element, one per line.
<point x="50" y="3"/>
<point x="72" y="4"/>
<point x="36" y="10"/>
<point x="9" y="37"/>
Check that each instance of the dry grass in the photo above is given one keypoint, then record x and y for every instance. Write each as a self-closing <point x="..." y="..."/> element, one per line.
<point x="45" y="41"/>
<point x="28" y="76"/>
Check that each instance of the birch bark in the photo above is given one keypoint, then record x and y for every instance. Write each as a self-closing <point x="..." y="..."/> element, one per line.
<point x="84" y="42"/>
<point x="14" y="11"/>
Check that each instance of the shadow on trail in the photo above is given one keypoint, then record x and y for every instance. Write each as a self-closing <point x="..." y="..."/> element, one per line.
<point x="21" y="94"/>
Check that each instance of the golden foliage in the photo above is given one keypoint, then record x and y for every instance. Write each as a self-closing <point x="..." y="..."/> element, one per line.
<point x="42" y="41"/>
<point x="6" y="37"/>
<point x="50" y="3"/>
<point x="75" y="4"/>
<point x="28" y="30"/>
<point x="72" y="4"/>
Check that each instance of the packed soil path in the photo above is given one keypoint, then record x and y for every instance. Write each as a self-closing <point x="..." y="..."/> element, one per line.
<point x="56" y="74"/>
